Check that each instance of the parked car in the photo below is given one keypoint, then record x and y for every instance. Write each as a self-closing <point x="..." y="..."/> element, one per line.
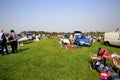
<point x="112" y="38"/>
<point x="24" y="37"/>
<point x="80" y="39"/>
<point x="29" y="36"/>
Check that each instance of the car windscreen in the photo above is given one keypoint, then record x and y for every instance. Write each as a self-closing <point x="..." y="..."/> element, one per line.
<point x="80" y="36"/>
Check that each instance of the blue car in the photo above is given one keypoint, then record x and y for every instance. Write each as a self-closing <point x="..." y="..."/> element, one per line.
<point x="81" y="39"/>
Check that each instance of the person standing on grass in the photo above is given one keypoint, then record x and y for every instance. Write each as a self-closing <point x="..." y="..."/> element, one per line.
<point x="13" y="41"/>
<point x="3" y="42"/>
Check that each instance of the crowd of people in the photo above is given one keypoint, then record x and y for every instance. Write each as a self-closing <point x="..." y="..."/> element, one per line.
<point x="69" y="41"/>
<point x="12" y="41"/>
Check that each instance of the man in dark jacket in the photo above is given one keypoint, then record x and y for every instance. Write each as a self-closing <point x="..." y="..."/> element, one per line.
<point x="13" y="41"/>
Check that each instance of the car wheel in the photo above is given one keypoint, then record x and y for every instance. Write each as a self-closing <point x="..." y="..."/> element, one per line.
<point x="90" y="45"/>
<point x="107" y="43"/>
<point x="77" y="44"/>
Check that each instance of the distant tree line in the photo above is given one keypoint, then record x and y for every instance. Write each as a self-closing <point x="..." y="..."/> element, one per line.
<point x="97" y="33"/>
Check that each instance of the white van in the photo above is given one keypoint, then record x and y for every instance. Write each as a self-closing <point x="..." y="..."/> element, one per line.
<point x="112" y="38"/>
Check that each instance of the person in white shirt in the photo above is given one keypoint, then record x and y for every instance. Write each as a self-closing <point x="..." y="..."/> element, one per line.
<point x="3" y="42"/>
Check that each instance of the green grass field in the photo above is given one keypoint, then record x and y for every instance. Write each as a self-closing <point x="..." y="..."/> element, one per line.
<point x="45" y="60"/>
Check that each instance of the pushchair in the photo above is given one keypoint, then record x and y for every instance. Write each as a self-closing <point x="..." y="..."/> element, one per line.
<point x="100" y="58"/>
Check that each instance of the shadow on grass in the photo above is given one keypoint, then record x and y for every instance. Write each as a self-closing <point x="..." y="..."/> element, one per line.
<point x="26" y="42"/>
<point x="114" y="46"/>
<point x="10" y="52"/>
<point x="102" y="43"/>
<point x="23" y="49"/>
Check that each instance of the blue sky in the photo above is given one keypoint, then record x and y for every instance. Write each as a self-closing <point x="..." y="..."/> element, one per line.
<point x="60" y="15"/>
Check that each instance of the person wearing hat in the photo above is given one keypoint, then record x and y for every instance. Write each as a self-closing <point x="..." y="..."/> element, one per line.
<point x="3" y="42"/>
